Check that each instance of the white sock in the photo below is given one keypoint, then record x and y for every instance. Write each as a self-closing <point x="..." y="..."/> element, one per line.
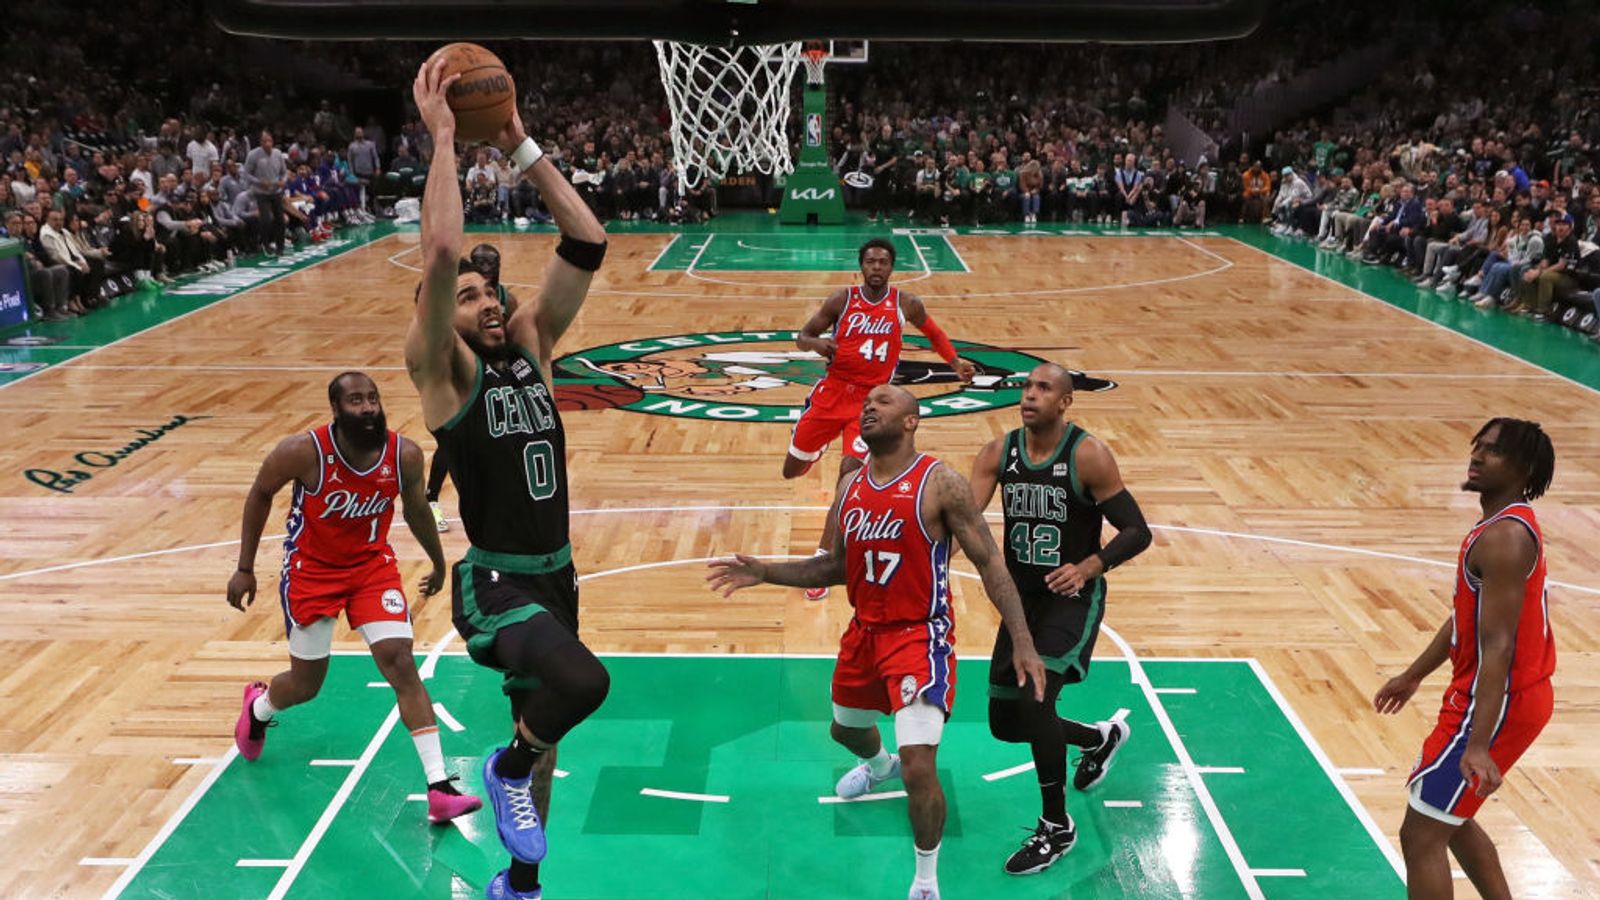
<point x="881" y="765"/>
<point x="262" y="708"/>
<point x="819" y="552"/>
<point x="927" y="865"/>
<point x="428" y="750"/>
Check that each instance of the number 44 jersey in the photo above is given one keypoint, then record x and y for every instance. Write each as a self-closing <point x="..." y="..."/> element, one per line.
<point x="508" y="458"/>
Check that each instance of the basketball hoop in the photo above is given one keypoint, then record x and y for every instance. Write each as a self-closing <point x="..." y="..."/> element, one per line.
<point x="730" y="106"/>
<point x="815" y="57"/>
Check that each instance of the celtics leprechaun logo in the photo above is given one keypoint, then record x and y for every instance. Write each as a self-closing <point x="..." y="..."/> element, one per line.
<point x="760" y="376"/>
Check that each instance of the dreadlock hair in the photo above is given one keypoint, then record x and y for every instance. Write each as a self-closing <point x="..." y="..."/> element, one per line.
<point x="1526" y="444"/>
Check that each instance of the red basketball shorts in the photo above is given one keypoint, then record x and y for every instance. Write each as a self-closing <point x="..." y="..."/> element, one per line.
<point x="1437" y="787"/>
<point x="366" y="593"/>
<point x="833" y="408"/>
<point x="888" y="667"/>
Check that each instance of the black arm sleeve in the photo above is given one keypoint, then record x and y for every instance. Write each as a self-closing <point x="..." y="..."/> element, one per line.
<point x="583" y="254"/>
<point x="1133" y="535"/>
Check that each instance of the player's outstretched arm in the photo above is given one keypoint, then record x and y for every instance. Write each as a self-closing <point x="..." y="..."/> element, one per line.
<point x="431" y="342"/>
<point x="1097" y="469"/>
<point x="811" y="337"/>
<point x="1505" y="555"/>
<point x="917" y="315"/>
<point x="539" y="325"/>
<point x="961" y="517"/>
<point x="419" y="518"/>
<point x="729" y="575"/>
<point x="295" y="457"/>
<point x="986" y="474"/>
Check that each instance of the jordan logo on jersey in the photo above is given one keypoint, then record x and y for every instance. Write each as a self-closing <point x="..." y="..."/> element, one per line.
<point x="864" y="324"/>
<point x="350" y="505"/>
<point x="861" y="525"/>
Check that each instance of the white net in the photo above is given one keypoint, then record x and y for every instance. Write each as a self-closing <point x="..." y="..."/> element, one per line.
<point x="729" y="107"/>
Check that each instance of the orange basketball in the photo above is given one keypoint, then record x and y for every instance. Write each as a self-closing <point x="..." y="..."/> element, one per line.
<point x="484" y="97"/>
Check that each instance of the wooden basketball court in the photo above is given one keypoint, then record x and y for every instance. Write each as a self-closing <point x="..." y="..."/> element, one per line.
<point x="1297" y="444"/>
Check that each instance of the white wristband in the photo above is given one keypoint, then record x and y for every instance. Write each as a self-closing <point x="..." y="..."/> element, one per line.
<point x="526" y="155"/>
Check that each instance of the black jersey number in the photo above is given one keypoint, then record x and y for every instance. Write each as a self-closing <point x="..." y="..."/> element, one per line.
<point x="1039" y="547"/>
<point x="539" y="462"/>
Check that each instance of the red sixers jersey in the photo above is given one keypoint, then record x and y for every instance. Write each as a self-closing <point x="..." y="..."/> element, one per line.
<point x="344" y="521"/>
<point x="1533" y="657"/>
<point x="868" y="339"/>
<point x="895" y="572"/>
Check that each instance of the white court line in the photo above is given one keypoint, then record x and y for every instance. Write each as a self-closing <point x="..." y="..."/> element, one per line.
<point x="1360" y="293"/>
<point x="1190" y="771"/>
<point x="335" y="762"/>
<point x="169" y="826"/>
<point x="1358" y="773"/>
<point x="680" y="795"/>
<point x="1124" y="804"/>
<point x="926" y="271"/>
<point x="377" y="684"/>
<point x="262" y="863"/>
<point x="354" y="247"/>
<point x="302" y="855"/>
<point x="1219" y="770"/>
<point x="416" y="798"/>
<point x="864" y="798"/>
<point x="444" y="716"/>
<point x="623" y="510"/>
<point x="1339" y="784"/>
<point x="1122" y="714"/>
<point x="951" y="246"/>
<point x="1007" y="773"/>
<point x="1278" y="873"/>
<point x="185" y="367"/>
<point x="105" y="861"/>
<point x="1052" y="292"/>
<point x="1241" y="373"/>
<point x="1175" y="690"/>
<point x="652" y="266"/>
<point x="198" y="760"/>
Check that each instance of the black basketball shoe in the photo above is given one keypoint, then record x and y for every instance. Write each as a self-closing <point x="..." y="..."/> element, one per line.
<point x="1094" y="764"/>
<point x="1048" y="843"/>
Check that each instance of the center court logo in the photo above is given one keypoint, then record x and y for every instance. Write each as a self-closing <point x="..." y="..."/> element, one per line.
<point x="760" y="376"/>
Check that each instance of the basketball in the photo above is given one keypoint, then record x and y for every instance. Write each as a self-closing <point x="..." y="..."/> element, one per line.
<point x="484" y="97"/>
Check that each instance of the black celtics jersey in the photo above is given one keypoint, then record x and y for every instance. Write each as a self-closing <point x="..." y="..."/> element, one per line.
<point x="508" y="458"/>
<point x="1049" y="518"/>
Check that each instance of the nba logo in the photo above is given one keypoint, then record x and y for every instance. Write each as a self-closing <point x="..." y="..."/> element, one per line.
<point x="813" y="129"/>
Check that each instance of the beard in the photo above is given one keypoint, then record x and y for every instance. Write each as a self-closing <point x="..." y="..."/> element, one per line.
<point x="493" y="356"/>
<point x="364" y="433"/>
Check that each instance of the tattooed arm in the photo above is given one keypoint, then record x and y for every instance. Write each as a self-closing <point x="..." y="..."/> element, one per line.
<point x="962" y="519"/>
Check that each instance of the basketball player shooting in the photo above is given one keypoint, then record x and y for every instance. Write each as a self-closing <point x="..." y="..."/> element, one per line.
<point x="482" y="376"/>
<point x="862" y="353"/>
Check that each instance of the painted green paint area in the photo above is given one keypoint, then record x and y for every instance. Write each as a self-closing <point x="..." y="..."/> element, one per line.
<point x="135" y="312"/>
<point x="754" y="731"/>
<point x="802" y="250"/>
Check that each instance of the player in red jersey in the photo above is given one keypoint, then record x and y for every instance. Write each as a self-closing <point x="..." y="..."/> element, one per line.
<point x="862" y="353"/>
<point x="895" y="517"/>
<point x="1502" y="655"/>
<point x="337" y="558"/>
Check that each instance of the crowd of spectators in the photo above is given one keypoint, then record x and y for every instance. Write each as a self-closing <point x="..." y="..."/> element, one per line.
<point x="119" y="175"/>
<point x="1478" y="184"/>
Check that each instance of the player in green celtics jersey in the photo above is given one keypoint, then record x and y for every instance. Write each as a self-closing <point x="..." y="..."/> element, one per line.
<point x="1056" y="483"/>
<point x="486" y="396"/>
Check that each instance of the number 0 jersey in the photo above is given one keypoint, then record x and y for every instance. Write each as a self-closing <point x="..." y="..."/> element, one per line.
<point x="343" y="521"/>
<point x="867" y="336"/>
<point x="1049" y="519"/>
<point x="508" y="457"/>
<point x="896" y="574"/>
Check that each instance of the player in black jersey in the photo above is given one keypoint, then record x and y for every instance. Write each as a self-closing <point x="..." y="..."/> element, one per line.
<point x="486" y="398"/>
<point x="1056" y="482"/>
<point x="486" y="259"/>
